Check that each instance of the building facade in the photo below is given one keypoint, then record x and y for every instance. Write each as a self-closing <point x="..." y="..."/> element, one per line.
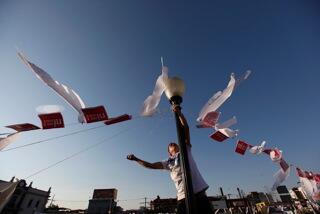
<point x="103" y="201"/>
<point x="166" y="205"/>
<point x="26" y="199"/>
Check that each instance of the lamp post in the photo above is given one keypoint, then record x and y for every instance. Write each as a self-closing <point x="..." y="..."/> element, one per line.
<point x="174" y="90"/>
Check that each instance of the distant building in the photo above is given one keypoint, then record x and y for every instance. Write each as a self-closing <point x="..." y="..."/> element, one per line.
<point x="54" y="209"/>
<point x="167" y="205"/>
<point x="284" y="194"/>
<point x="263" y="197"/>
<point x="270" y="198"/>
<point x="103" y="201"/>
<point x="218" y="202"/>
<point x="254" y="198"/>
<point x="298" y="193"/>
<point x="299" y="197"/>
<point x="26" y="199"/>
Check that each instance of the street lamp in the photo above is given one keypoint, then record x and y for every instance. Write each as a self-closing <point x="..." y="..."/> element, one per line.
<point x="174" y="91"/>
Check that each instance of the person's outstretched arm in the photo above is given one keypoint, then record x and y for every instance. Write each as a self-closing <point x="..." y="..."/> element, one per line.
<point x="156" y="165"/>
<point x="184" y="123"/>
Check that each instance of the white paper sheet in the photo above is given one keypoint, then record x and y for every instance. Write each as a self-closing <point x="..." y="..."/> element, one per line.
<point x="47" y="109"/>
<point x="256" y="150"/>
<point x="276" y="155"/>
<point x="280" y="177"/>
<point x="151" y="103"/>
<point x="228" y="132"/>
<point x="4" y="142"/>
<point x="220" y="97"/>
<point x="227" y="123"/>
<point x="69" y="95"/>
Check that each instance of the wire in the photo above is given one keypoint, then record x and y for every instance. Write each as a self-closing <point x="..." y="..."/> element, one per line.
<point x="160" y="115"/>
<point x="133" y="199"/>
<point x="77" y="153"/>
<point x="118" y="200"/>
<point x="69" y="201"/>
<point x="5" y="133"/>
<point x="53" y="138"/>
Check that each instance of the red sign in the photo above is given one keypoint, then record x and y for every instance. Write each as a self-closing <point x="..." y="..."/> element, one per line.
<point x="284" y="165"/>
<point x="267" y="151"/>
<point x="118" y="119"/>
<point x="300" y="173"/>
<point x="317" y="178"/>
<point x="309" y="175"/>
<point x="52" y="120"/>
<point x="277" y="153"/>
<point x="218" y="136"/>
<point x="241" y="147"/>
<point x="210" y="120"/>
<point x="23" y="127"/>
<point x="105" y="194"/>
<point x="95" y="114"/>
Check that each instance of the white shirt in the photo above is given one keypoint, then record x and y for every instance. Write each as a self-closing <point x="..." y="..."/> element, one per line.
<point x="173" y="165"/>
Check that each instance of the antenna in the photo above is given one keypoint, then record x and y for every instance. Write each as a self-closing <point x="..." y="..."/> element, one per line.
<point x="161" y="61"/>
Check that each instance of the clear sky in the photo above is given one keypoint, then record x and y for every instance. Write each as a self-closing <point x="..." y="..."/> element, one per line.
<point x="109" y="52"/>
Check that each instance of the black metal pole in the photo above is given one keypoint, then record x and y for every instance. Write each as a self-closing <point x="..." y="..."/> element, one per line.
<point x="189" y="196"/>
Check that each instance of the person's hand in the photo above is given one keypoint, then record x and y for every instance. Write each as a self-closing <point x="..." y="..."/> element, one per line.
<point x="132" y="157"/>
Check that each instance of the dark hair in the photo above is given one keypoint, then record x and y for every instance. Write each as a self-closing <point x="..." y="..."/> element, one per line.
<point x="172" y="144"/>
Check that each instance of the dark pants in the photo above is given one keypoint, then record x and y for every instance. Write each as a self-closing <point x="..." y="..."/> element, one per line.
<point x="203" y="205"/>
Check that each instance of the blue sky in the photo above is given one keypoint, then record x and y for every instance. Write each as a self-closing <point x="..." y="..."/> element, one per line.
<point x="109" y="52"/>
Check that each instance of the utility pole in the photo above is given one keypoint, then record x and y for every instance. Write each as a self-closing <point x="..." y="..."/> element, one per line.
<point x="145" y="202"/>
<point x="221" y="191"/>
<point x="52" y="200"/>
<point x="240" y="196"/>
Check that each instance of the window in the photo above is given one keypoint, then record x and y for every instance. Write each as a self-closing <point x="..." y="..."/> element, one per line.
<point x="30" y="202"/>
<point x="37" y="204"/>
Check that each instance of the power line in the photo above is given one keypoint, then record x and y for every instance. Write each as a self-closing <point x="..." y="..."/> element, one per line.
<point x="83" y="201"/>
<point x="74" y="154"/>
<point x="70" y="134"/>
<point x="128" y="199"/>
<point x="53" y="138"/>
<point x="77" y="153"/>
<point x="70" y="201"/>
<point x="5" y="133"/>
<point x="133" y="199"/>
